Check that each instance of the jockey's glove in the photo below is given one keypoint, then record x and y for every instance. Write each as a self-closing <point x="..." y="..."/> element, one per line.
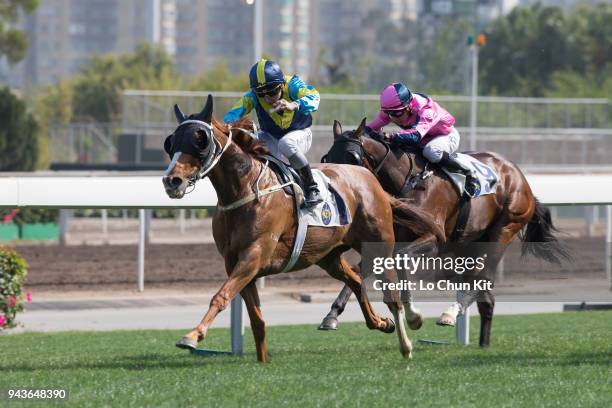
<point x="405" y="138"/>
<point x="371" y="132"/>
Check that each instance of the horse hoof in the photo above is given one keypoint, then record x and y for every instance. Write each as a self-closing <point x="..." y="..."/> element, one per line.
<point x="446" y="320"/>
<point x="416" y="323"/>
<point x="187" y="343"/>
<point x="390" y="327"/>
<point x="407" y="355"/>
<point x="329" y="323"/>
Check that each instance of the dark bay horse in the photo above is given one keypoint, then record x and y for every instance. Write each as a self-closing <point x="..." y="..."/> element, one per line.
<point x="434" y="207"/>
<point x="255" y="234"/>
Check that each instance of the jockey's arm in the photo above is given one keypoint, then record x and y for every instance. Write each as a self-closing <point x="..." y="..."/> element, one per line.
<point x="376" y="125"/>
<point x="405" y="137"/>
<point x="241" y="108"/>
<point x="305" y="96"/>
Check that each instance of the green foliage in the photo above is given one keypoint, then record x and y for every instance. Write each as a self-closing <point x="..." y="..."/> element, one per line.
<point x="590" y="85"/>
<point x="18" y="134"/>
<point x="12" y="274"/>
<point x="219" y="78"/>
<point x="13" y="42"/>
<point x="445" y="60"/>
<point x="36" y="216"/>
<point x="97" y="91"/>
<point x="541" y="360"/>
<point x="528" y="49"/>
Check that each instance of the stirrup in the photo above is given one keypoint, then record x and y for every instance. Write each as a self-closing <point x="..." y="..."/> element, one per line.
<point x="312" y="198"/>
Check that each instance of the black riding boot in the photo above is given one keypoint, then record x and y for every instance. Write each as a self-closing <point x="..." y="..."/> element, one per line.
<point x="472" y="186"/>
<point x="312" y="196"/>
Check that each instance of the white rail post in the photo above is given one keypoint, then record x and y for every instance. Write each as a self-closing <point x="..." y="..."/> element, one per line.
<point x="147" y="225"/>
<point x="64" y="216"/>
<point x="609" y="244"/>
<point x="463" y="324"/>
<point x="473" y="99"/>
<point x="499" y="272"/>
<point x="141" y="248"/>
<point x="182" y="221"/>
<point x="237" y="326"/>
<point x="104" y="220"/>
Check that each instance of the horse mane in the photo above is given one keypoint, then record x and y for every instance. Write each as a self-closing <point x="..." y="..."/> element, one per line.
<point x="249" y="145"/>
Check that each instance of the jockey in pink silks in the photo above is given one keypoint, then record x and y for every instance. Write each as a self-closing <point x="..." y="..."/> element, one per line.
<point x="422" y="123"/>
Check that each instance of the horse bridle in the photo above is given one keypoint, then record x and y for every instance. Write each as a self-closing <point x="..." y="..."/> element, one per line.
<point x="359" y="157"/>
<point x="208" y="161"/>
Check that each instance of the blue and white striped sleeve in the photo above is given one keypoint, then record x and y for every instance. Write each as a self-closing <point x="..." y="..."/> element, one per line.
<point x="305" y="95"/>
<point x="243" y="107"/>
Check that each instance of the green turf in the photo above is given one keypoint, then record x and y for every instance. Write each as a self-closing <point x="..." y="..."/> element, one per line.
<point x="538" y="360"/>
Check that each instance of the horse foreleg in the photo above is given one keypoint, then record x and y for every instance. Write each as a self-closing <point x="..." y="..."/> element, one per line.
<point x="258" y="326"/>
<point x="394" y="303"/>
<point x="427" y="244"/>
<point x="485" y="309"/>
<point x="244" y="272"/>
<point x="466" y="298"/>
<point x="330" y="322"/>
<point x="339" y="269"/>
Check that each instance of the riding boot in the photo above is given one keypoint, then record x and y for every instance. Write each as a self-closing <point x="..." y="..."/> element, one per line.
<point x="312" y="196"/>
<point x="472" y="186"/>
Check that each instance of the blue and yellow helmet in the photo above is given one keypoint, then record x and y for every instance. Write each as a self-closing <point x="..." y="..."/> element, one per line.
<point x="264" y="74"/>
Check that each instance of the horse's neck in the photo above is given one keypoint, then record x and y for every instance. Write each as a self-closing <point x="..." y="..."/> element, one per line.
<point x="397" y="173"/>
<point x="233" y="175"/>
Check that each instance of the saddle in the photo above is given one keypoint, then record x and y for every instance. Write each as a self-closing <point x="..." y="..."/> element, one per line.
<point x="333" y="211"/>
<point x="284" y="173"/>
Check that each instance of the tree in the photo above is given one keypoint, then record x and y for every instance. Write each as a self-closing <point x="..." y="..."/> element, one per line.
<point x="219" y="78"/>
<point x="18" y="134"/>
<point x="523" y="50"/>
<point x="445" y="62"/>
<point x="13" y="42"/>
<point x="97" y="91"/>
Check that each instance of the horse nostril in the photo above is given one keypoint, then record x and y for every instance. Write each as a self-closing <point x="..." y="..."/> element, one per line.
<point x="176" y="181"/>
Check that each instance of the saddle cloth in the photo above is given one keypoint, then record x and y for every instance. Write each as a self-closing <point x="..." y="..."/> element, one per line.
<point x="332" y="212"/>
<point x="486" y="176"/>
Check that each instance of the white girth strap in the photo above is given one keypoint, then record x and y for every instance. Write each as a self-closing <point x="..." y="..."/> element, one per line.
<point x="257" y="194"/>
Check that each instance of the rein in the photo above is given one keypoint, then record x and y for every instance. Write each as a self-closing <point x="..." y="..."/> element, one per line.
<point x="388" y="151"/>
<point x="253" y="196"/>
<point x="257" y="194"/>
<point x="384" y="159"/>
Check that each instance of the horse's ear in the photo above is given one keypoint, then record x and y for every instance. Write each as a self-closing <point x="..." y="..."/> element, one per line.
<point x="361" y="128"/>
<point x="180" y="116"/>
<point x="206" y="114"/>
<point x="337" y="129"/>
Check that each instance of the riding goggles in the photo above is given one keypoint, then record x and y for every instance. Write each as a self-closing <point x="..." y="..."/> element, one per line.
<point x="268" y="90"/>
<point x="395" y="113"/>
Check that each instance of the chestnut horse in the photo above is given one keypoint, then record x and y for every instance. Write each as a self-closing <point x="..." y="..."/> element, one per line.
<point x="255" y="233"/>
<point x="434" y="206"/>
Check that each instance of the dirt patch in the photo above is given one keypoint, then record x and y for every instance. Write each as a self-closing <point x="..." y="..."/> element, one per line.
<point x="199" y="266"/>
<point x="115" y="267"/>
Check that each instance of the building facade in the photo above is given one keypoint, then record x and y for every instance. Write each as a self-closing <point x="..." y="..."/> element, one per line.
<point x="63" y="35"/>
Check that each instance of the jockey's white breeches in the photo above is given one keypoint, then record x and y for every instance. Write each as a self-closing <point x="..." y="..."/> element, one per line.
<point x="448" y="143"/>
<point x="297" y="141"/>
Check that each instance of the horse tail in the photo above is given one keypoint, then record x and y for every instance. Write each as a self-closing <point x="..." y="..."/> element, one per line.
<point x="541" y="230"/>
<point x="412" y="218"/>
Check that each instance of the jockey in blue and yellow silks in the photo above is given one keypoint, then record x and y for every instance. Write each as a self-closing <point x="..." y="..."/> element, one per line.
<point x="283" y="105"/>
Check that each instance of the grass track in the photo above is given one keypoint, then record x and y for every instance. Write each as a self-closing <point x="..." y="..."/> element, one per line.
<point x="537" y="360"/>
